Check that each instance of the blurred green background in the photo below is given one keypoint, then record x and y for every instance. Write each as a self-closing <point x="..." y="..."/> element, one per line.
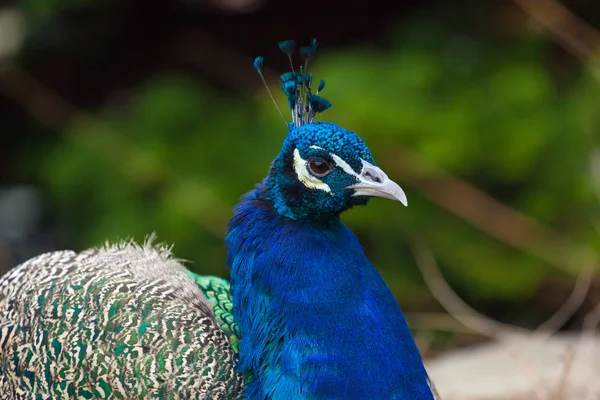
<point x="122" y="118"/>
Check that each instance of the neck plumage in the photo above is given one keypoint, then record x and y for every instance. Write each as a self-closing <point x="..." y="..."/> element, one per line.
<point x="317" y="321"/>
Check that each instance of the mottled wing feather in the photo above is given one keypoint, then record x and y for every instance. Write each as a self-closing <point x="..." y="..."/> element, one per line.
<point x="122" y="322"/>
<point x="217" y="293"/>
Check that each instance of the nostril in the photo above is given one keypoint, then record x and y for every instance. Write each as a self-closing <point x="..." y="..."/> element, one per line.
<point x="375" y="178"/>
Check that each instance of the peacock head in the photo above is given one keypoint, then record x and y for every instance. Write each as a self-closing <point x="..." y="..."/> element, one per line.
<point x="322" y="168"/>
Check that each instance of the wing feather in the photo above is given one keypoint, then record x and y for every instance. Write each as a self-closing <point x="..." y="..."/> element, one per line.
<point x="118" y="322"/>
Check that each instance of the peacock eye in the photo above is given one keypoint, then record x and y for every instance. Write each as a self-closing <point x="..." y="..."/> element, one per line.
<point x="318" y="167"/>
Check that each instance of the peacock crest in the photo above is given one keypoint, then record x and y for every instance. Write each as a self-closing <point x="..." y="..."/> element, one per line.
<point x="297" y="85"/>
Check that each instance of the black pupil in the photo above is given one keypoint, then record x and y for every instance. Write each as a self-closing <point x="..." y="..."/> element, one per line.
<point x="319" y="167"/>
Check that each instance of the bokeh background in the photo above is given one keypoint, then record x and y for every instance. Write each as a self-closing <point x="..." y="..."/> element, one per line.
<point x="122" y="118"/>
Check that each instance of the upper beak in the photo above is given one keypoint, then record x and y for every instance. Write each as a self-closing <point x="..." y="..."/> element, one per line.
<point x="375" y="183"/>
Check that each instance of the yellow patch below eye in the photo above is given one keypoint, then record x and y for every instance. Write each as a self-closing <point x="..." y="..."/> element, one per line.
<point x="305" y="177"/>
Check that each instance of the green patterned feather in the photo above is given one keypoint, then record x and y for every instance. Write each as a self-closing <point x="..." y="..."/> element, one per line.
<point x="121" y="322"/>
<point x="217" y="293"/>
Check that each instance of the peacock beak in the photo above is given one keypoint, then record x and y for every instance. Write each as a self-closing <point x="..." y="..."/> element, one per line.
<point x="373" y="182"/>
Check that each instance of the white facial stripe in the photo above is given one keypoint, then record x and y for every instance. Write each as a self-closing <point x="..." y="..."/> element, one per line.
<point x="344" y="165"/>
<point x="316" y="147"/>
<point x="305" y="177"/>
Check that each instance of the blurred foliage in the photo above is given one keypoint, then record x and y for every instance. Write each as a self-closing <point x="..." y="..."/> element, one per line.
<point x="488" y="110"/>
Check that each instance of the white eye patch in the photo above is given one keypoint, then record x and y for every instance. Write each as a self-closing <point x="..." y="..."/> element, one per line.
<point x="313" y="182"/>
<point x="305" y="177"/>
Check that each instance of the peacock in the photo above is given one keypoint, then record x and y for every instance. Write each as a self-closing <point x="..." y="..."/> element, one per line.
<point x="305" y="315"/>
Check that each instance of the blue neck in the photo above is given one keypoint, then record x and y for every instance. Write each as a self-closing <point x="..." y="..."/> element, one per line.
<point x="317" y="320"/>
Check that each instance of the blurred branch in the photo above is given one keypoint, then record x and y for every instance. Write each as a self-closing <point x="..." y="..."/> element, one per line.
<point x="56" y="113"/>
<point x="571" y="32"/>
<point x="591" y="321"/>
<point x="40" y="101"/>
<point x="496" y="330"/>
<point x="440" y="321"/>
<point x="484" y="212"/>
<point x="464" y="313"/>
<point x="219" y="62"/>
<point x="563" y="378"/>
<point x="572" y="304"/>
<point x="454" y="305"/>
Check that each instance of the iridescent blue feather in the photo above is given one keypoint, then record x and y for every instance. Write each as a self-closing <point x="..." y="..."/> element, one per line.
<point x="317" y="320"/>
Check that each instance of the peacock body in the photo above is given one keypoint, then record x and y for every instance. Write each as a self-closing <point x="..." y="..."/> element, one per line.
<point x="305" y="315"/>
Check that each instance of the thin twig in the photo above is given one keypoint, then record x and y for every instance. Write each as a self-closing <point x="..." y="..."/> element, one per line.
<point x="562" y="381"/>
<point x="218" y="61"/>
<point x="489" y="215"/>
<point x="464" y="313"/>
<point x="571" y="32"/>
<point x="455" y="306"/>
<point x="572" y="304"/>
